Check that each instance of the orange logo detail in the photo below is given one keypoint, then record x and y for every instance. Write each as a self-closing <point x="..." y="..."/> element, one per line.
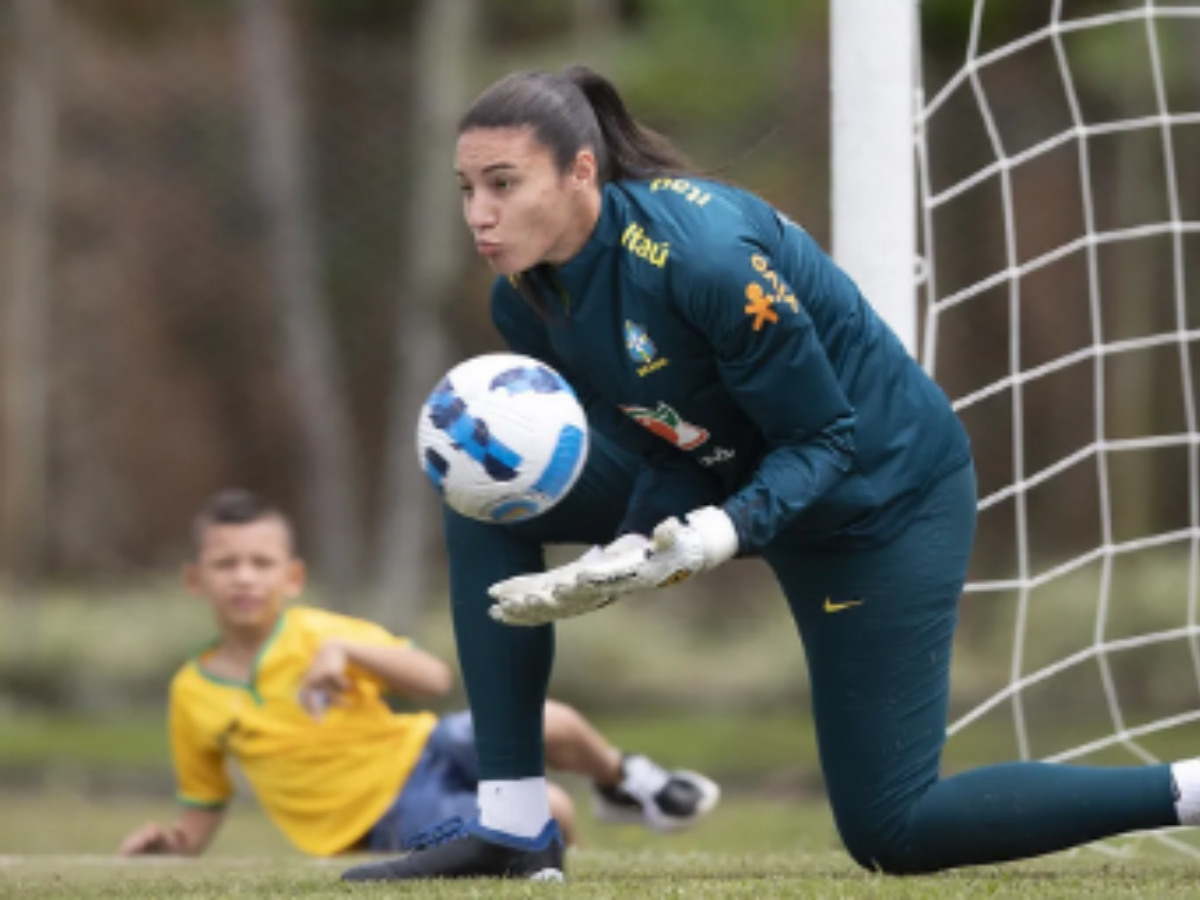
<point x="760" y="306"/>
<point x="676" y="577"/>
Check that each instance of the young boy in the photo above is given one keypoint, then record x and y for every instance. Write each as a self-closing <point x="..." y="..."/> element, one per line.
<point x="296" y="696"/>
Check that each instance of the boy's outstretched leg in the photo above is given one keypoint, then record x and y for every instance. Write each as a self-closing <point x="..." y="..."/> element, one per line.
<point x="628" y="788"/>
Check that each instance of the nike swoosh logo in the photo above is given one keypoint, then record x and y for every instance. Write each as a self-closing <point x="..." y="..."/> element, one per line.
<point x="831" y="607"/>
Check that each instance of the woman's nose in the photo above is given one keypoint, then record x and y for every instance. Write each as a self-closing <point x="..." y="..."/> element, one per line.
<point x="480" y="213"/>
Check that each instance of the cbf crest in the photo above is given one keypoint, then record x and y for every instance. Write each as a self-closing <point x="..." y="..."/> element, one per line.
<point x="642" y="350"/>
<point x="637" y="342"/>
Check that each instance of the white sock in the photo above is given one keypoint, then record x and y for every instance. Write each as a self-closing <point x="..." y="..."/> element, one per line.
<point x="643" y="778"/>
<point x="520" y="807"/>
<point x="1186" y="784"/>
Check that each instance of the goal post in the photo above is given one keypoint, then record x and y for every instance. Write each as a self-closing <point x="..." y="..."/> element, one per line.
<point x="873" y="63"/>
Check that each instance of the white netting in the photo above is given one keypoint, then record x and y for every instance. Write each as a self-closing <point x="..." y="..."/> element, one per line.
<point x="1059" y="158"/>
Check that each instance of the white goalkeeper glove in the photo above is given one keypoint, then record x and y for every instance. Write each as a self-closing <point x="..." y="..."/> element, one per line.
<point x="632" y="563"/>
<point x="678" y="551"/>
<point x="537" y="599"/>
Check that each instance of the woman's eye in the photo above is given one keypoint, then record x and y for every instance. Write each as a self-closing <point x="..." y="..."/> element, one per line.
<point x="503" y="184"/>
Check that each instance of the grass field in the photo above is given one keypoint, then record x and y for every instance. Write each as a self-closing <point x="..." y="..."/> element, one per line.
<point x="57" y="842"/>
<point x="59" y="845"/>
<point x="71" y="788"/>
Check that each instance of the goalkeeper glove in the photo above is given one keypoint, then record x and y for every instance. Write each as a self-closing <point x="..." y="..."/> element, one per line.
<point x="538" y="599"/>
<point x="632" y="563"/>
<point x="678" y="551"/>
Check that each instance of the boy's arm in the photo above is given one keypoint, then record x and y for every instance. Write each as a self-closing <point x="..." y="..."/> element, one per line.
<point x="404" y="669"/>
<point x="189" y="836"/>
<point x="201" y="778"/>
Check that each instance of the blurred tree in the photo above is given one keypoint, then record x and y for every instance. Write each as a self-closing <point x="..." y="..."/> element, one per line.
<point x="595" y="21"/>
<point x="444" y="49"/>
<point x="26" y="314"/>
<point x="280" y="176"/>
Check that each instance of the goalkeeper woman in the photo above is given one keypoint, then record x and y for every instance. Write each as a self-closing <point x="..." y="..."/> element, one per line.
<point x="746" y="401"/>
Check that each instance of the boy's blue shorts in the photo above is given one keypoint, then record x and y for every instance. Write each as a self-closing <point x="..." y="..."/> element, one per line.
<point x="442" y="785"/>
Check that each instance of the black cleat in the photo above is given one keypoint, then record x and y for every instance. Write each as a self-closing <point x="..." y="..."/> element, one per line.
<point x="659" y="799"/>
<point x="458" y="849"/>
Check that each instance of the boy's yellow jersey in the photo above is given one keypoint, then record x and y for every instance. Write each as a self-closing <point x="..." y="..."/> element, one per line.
<point x="324" y="783"/>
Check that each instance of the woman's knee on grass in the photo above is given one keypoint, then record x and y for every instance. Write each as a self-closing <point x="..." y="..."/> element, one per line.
<point x="884" y="846"/>
<point x="878" y="830"/>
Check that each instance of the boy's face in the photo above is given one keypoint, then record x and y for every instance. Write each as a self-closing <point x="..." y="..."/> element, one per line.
<point x="246" y="572"/>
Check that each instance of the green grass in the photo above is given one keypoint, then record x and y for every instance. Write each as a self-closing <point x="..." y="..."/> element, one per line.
<point x="771" y="837"/>
<point x="770" y="751"/>
<point x="600" y="875"/>
<point x="59" y="844"/>
<point x="738" y="747"/>
<point x="128" y="741"/>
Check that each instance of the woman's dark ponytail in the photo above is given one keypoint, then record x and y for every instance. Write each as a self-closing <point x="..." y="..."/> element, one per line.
<point x="575" y="109"/>
<point x="631" y="150"/>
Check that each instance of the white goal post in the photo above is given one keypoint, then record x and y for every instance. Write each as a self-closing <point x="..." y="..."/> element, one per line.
<point x="873" y="62"/>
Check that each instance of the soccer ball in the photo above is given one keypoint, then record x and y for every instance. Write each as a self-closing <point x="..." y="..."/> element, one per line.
<point x="502" y="437"/>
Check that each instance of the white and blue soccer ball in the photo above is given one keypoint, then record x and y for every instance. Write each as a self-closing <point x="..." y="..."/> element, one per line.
<point x="502" y="437"/>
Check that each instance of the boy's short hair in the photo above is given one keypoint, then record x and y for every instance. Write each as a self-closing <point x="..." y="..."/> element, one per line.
<point x="234" y="506"/>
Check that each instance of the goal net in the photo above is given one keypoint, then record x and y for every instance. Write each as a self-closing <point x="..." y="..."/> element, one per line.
<point x="1059" y="213"/>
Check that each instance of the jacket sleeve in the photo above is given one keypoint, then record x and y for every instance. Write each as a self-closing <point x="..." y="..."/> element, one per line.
<point x="668" y="482"/>
<point x="773" y="364"/>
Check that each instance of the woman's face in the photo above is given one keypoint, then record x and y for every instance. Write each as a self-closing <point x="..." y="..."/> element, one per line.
<point x="521" y="209"/>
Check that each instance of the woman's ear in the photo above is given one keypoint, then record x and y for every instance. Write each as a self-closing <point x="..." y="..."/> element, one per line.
<point x="585" y="171"/>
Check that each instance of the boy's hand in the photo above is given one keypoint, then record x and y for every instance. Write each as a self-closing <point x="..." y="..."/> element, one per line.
<point x="152" y="838"/>
<point x="325" y="679"/>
